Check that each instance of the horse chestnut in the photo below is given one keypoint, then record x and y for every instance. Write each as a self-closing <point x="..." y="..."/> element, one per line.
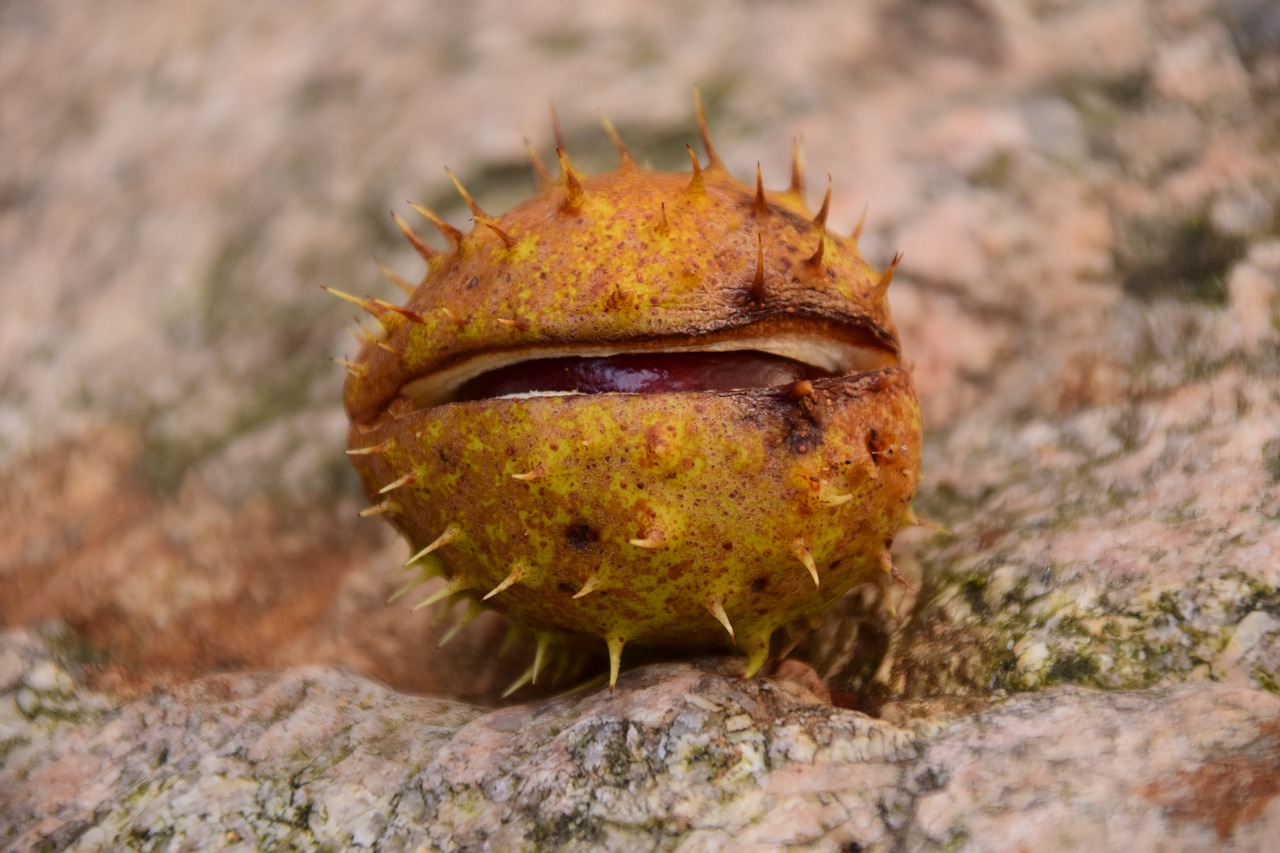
<point x="651" y="408"/>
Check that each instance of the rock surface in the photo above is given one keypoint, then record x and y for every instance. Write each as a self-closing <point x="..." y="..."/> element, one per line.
<point x="682" y="757"/>
<point x="199" y="653"/>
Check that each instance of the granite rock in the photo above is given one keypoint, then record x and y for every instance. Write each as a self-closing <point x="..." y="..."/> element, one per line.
<point x="680" y="757"/>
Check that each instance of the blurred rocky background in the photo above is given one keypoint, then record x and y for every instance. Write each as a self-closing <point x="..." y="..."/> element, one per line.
<point x="198" y="650"/>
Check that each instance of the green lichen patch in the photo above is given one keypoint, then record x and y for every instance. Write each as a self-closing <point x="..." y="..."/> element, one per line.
<point x="1012" y="628"/>
<point x="1103" y="103"/>
<point x="1180" y="258"/>
<point x="1120" y="548"/>
<point x="1271" y="459"/>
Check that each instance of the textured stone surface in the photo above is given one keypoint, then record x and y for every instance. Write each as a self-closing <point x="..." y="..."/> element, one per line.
<point x="252" y="761"/>
<point x="1087" y="195"/>
<point x="680" y="757"/>
<point x="1123" y="546"/>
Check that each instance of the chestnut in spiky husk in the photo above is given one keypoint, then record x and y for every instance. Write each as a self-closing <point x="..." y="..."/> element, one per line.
<point x="642" y="407"/>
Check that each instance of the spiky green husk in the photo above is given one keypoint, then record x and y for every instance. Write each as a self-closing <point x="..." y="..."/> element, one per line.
<point x="679" y="520"/>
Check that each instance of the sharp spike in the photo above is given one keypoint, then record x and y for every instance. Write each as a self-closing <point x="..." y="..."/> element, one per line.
<point x="512" y="636"/>
<point x="386" y="507"/>
<point x="795" y="635"/>
<point x="717" y="610"/>
<point x="540" y="170"/>
<point x="518" y="325"/>
<point x="492" y="224"/>
<point x="466" y="196"/>
<point x="386" y="347"/>
<point x="453" y="318"/>
<point x="820" y="219"/>
<point x="573" y="192"/>
<point x="366" y="336"/>
<point x="663" y="228"/>
<point x="529" y="476"/>
<point x="566" y="666"/>
<point x="836" y="500"/>
<point x="358" y="371"/>
<point x="555" y="128"/>
<point x="815" y="260"/>
<point x="589" y="586"/>
<point x="713" y="159"/>
<point x="757" y="649"/>
<point x="392" y="277"/>
<point x="697" y="186"/>
<point x="897" y="575"/>
<point x="624" y="156"/>
<point x="525" y="678"/>
<point x="441" y="613"/>
<point x="424" y="251"/>
<point x="453" y="235"/>
<point x="516" y="575"/>
<point x="886" y="278"/>
<point x="886" y="563"/>
<point x="452" y="587"/>
<point x="760" y="206"/>
<point x="402" y="591"/>
<point x="395" y="484"/>
<point x="450" y="534"/>
<point x="474" y="609"/>
<point x="384" y="307"/>
<point x="857" y="229"/>
<point x="757" y="283"/>
<point x="427" y="570"/>
<point x="615" y="643"/>
<point x="801" y="549"/>
<point x="913" y="520"/>
<point x="357" y="301"/>
<point x="653" y="538"/>
<point x="797" y="170"/>
<point x="540" y="654"/>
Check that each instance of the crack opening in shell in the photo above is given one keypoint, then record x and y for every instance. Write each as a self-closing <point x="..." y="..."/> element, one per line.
<point x="646" y="368"/>
<point x="640" y="373"/>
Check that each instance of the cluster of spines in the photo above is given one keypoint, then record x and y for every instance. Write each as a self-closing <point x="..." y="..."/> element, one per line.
<point x="390" y="316"/>
<point x="457" y="587"/>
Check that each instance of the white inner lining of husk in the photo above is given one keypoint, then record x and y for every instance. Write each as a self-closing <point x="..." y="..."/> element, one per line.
<point x="834" y="356"/>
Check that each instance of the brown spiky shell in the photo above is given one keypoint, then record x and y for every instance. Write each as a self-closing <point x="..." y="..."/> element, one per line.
<point x="686" y="519"/>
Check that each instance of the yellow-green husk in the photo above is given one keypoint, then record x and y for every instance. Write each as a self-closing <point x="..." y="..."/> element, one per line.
<point x="691" y="520"/>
